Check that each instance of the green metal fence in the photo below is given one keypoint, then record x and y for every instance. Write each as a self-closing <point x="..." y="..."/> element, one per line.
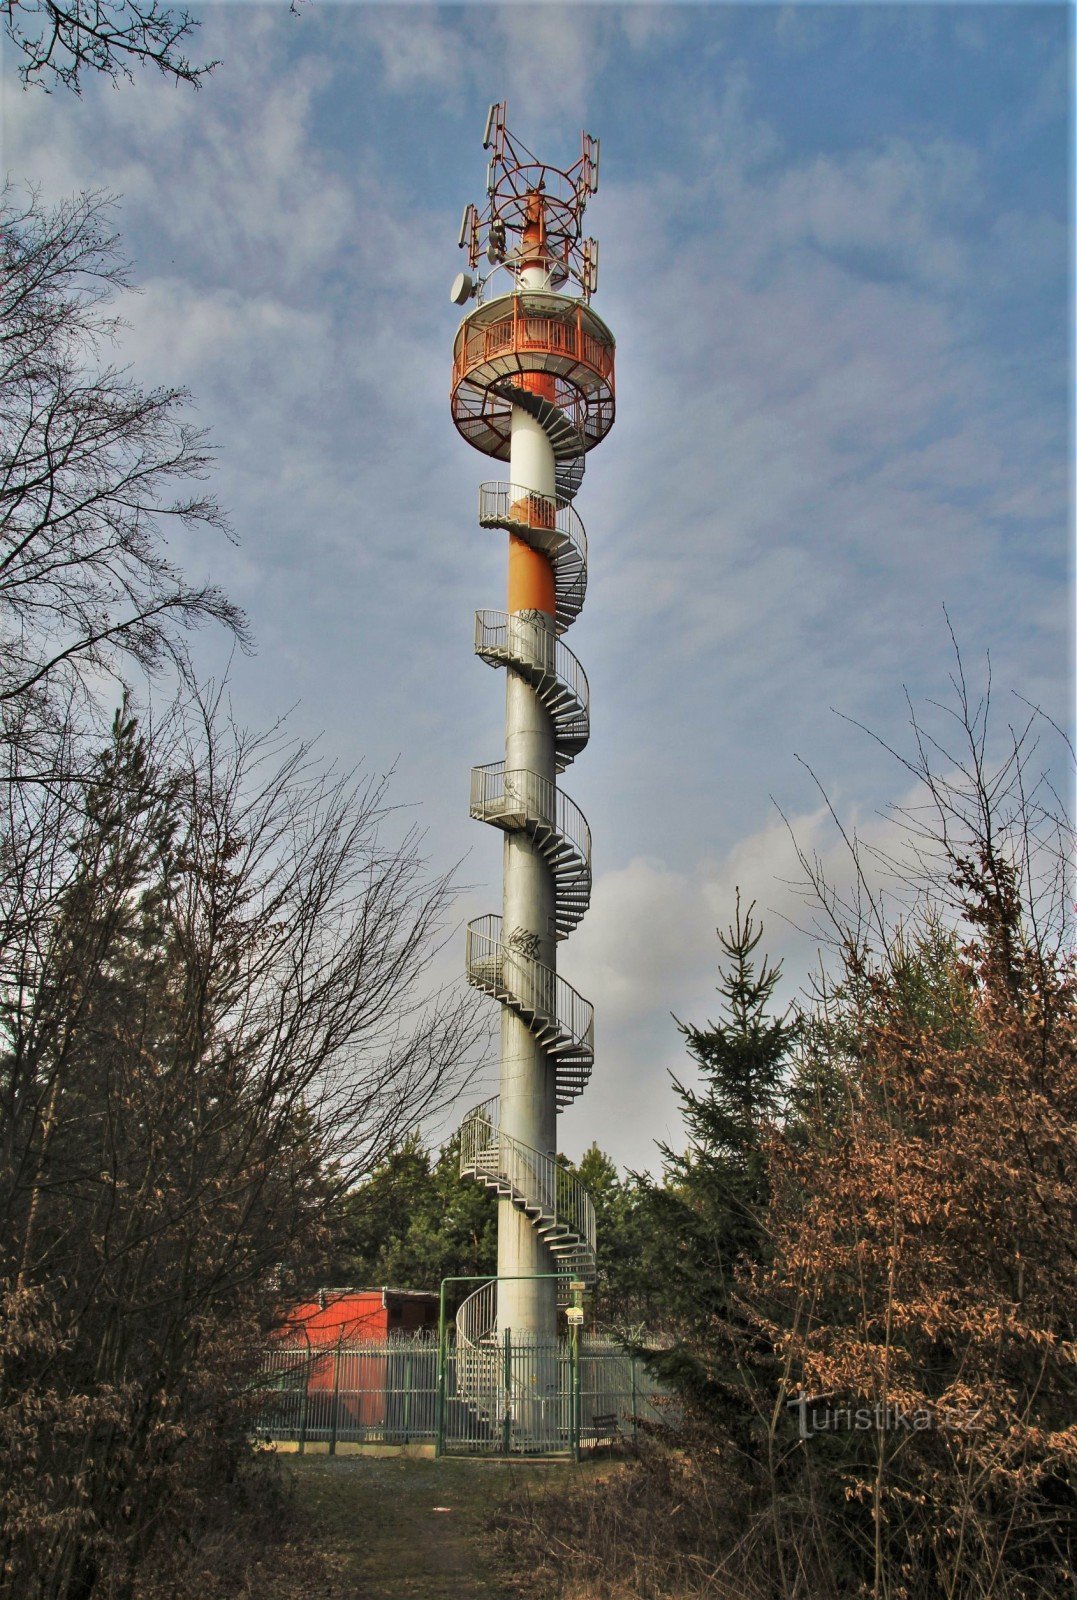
<point x="512" y="1397"/>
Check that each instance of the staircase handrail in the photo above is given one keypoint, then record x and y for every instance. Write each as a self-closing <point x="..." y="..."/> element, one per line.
<point x="536" y="643"/>
<point x="545" y="513"/>
<point x="541" y="799"/>
<point x="535" y="986"/>
<point x="540" y="1179"/>
<point x="476" y="1316"/>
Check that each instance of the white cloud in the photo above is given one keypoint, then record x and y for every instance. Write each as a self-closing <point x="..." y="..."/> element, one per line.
<point x="547" y="57"/>
<point x="817" y="440"/>
<point x="647" y="951"/>
<point x="416" y="47"/>
<point x="899" y="203"/>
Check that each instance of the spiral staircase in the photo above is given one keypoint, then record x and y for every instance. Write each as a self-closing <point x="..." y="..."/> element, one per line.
<point x="497" y="346"/>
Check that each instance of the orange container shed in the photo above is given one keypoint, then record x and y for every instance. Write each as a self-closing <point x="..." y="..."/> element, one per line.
<point x="349" y="1365"/>
<point x="359" y="1316"/>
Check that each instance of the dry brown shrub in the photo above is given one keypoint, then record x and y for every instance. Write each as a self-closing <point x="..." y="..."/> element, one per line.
<point x="922" y="1253"/>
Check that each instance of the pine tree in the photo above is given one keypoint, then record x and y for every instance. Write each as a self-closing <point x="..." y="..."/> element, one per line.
<point x="413" y="1222"/>
<point x="616" y="1298"/>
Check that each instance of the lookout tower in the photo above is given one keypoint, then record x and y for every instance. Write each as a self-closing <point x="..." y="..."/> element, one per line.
<point x="532" y="386"/>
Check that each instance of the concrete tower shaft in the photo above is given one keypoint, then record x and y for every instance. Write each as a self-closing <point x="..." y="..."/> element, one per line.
<point x="527" y="1086"/>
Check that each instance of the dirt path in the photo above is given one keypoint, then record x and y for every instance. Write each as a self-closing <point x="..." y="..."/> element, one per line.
<point x="401" y="1529"/>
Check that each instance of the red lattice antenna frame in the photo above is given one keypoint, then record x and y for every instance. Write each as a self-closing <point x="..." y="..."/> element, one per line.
<point x="514" y="178"/>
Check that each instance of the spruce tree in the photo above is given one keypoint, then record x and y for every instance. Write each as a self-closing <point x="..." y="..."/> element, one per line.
<point x="743" y="1060"/>
<point x="707" y="1215"/>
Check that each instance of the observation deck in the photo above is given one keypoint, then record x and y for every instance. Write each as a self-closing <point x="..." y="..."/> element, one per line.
<point x="532" y="331"/>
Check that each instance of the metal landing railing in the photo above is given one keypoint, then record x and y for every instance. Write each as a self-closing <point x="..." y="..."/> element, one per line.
<point x="524" y="801"/>
<point x="524" y="641"/>
<point x="561" y="1019"/>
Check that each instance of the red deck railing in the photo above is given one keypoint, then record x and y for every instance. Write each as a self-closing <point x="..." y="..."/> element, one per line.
<point x="521" y="331"/>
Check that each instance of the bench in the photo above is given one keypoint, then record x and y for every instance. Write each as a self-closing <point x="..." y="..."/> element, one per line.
<point x="606" y="1426"/>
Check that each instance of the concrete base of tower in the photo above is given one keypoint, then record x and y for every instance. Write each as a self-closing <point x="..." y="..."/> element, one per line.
<point x="527" y="1324"/>
<point x="526" y="1303"/>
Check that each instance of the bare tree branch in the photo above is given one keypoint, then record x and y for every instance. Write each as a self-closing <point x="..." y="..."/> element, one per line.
<point x="61" y="43"/>
<point x="92" y="469"/>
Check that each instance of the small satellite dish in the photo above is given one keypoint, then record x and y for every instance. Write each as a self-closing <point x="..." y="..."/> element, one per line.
<point x="463" y="288"/>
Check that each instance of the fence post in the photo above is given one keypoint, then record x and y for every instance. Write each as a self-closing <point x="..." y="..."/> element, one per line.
<point x="336" y="1402"/>
<point x="575" y="1413"/>
<point x="407" y="1396"/>
<point x="439" y="1398"/>
<point x="303" y="1408"/>
<point x="506" y="1423"/>
<point x="635" y="1431"/>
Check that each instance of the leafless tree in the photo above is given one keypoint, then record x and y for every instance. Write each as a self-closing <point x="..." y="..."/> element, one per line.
<point x="93" y="469"/>
<point x="212" y="1016"/>
<point x="215" y="962"/>
<point x="984" y="813"/>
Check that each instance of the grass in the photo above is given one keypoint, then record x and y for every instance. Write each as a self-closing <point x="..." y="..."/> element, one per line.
<point x="405" y="1529"/>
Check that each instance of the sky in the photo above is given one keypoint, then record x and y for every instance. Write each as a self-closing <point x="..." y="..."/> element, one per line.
<point x="835" y="253"/>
